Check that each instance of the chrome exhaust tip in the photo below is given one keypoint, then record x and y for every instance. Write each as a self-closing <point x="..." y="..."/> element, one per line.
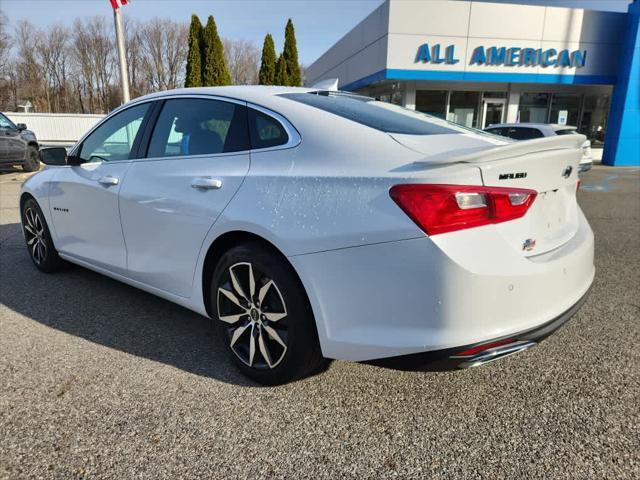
<point x="496" y="353"/>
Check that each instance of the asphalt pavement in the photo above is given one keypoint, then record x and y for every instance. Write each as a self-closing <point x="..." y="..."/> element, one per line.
<point x="100" y="380"/>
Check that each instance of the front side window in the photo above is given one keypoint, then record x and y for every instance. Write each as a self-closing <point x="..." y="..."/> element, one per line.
<point x="114" y="139"/>
<point x="194" y="126"/>
<point x="5" y="122"/>
<point x="379" y="115"/>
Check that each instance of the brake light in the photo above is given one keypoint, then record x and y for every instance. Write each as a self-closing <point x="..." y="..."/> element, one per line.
<point x="446" y="208"/>
<point x="577" y="185"/>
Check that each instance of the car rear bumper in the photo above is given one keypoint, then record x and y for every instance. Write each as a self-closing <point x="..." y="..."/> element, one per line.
<point x="451" y="358"/>
<point x="417" y="296"/>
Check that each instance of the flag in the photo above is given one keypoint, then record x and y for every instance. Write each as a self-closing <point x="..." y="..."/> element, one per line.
<point x="118" y="3"/>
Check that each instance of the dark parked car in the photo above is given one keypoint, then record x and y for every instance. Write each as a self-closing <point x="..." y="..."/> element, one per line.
<point x="18" y="146"/>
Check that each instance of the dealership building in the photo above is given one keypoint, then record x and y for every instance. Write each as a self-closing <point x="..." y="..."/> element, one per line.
<point x="478" y="63"/>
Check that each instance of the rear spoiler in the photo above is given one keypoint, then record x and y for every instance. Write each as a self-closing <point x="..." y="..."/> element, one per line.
<point x="510" y="150"/>
<point x="329" y="84"/>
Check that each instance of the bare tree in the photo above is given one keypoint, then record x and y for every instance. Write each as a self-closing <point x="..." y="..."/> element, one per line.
<point x="84" y="84"/>
<point x="303" y="73"/>
<point x="74" y="69"/>
<point x="243" y="58"/>
<point x="5" y="43"/>
<point x="29" y="74"/>
<point x="52" y="52"/>
<point x="133" y="46"/>
<point x="164" y="47"/>
<point x="9" y="87"/>
<point x="93" y="52"/>
<point x="6" y="90"/>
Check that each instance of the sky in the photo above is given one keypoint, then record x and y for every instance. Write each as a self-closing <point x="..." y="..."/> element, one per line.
<point x="319" y="23"/>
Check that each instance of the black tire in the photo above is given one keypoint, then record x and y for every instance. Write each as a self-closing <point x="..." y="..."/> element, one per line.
<point x="32" y="160"/>
<point x="38" y="238"/>
<point x="284" y="309"/>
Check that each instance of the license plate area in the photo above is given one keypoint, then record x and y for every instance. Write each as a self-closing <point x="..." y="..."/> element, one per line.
<point x="552" y="212"/>
<point x="551" y="221"/>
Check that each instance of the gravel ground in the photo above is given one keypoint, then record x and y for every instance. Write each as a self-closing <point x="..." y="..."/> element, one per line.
<point x="100" y="380"/>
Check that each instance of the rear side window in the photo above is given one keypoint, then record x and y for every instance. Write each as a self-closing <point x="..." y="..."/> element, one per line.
<point x="265" y="131"/>
<point x="194" y="126"/>
<point x="375" y="114"/>
<point x="524" y="133"/>
<point x="497" y="131"/>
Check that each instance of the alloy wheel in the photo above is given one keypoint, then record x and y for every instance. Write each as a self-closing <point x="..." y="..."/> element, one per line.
<point x="252" y="306"/>
<point x="35" y="236"/>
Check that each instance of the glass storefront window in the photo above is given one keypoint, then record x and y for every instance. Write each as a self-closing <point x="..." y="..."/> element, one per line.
<point x="433" y="102"/>
<point x="385" y="92"/>
<point x="594" y="117"/>
<point x="565" y="104"/>
<point x="494" y="95"/>
<point x="394" y="97"/>
<point x="533" y="107"/>
<point x="463" y="108"/>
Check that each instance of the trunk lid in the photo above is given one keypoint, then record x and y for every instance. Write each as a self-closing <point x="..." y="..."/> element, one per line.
<point x="547" y="165"/>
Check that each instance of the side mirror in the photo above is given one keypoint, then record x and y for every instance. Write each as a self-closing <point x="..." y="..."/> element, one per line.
<point x="53" y="156"/>
<point x="21" y="126"/>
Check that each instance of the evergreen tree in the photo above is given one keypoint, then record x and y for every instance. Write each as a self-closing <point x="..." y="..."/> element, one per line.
<point x="281" y="78"/>
<point x="290" y="53"/>
<point x="214" y="68"/>
<point x="268" y="65"/>
<point x="193" y="78"/>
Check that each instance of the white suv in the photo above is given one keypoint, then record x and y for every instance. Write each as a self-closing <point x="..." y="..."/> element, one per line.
<point x="527" y="131"/>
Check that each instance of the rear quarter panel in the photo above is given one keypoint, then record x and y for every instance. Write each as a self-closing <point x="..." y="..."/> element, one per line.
<point x="332" y="191"/>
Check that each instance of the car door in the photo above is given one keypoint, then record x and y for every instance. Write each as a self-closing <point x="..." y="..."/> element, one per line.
<point x="84" y="198"/>
<point x="197" y="158"/>
<point x="11" y="145"/>
<point x="4" y="141"/>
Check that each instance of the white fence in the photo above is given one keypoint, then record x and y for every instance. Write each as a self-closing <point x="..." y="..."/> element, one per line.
<point x="56" y="128"/>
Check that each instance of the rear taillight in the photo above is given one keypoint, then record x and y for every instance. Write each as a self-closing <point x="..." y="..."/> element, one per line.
<point x="446" y="208"/>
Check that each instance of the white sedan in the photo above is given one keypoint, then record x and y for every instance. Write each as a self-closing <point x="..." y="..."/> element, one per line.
<point x="314" y="224"/>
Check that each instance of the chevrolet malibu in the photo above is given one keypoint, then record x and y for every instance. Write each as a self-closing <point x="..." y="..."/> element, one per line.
<point x="312" y="225"/>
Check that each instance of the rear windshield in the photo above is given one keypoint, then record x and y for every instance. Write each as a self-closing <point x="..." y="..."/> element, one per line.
<point x="382" y="116"/>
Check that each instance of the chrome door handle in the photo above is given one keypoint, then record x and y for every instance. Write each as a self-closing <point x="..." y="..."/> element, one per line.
<point x="206" y="183"/>
<point x="108" y="180"/>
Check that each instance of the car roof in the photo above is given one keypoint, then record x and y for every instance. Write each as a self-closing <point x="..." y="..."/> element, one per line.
<point x="554" y="126"/>
<point x="258" y="94"/>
